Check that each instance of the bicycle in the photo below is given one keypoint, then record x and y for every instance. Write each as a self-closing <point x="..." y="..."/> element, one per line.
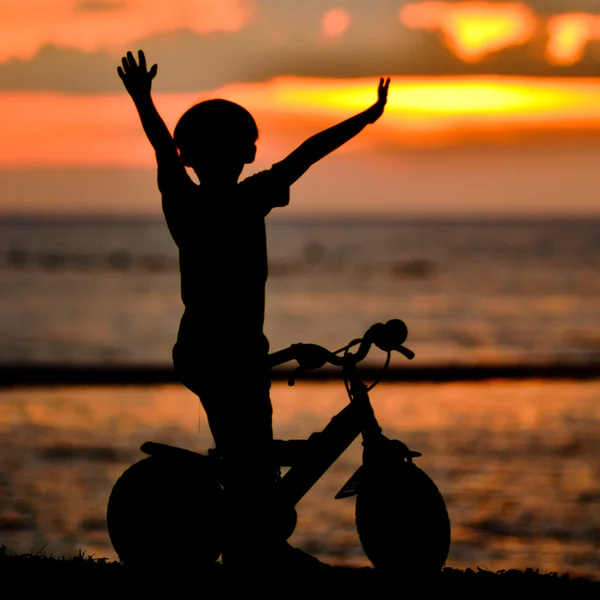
<point x="173" y="499"/>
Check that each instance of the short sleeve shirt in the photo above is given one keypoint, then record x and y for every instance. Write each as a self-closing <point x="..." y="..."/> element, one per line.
<point x="222" y="243"/>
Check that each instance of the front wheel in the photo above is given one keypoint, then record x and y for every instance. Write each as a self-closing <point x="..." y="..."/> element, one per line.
<point x="166" y="511"/>
<point x="402" y="521"/>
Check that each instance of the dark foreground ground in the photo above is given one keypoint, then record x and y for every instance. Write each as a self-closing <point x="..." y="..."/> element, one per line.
<point x="83" y="576"/>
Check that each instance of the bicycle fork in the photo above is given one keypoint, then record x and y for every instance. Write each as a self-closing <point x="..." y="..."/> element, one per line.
<point x="322" y="449"/>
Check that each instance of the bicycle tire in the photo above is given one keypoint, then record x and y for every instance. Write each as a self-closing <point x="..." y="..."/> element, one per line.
<point x="165" y="511"/>
<point x="402" y="520"/>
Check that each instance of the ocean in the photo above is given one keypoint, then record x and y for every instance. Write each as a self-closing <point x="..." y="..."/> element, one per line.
<point x="518" y="462"/>
<point x="479" y="292"/>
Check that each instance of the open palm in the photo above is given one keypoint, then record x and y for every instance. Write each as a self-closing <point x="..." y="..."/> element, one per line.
<point x="136" y="77"/>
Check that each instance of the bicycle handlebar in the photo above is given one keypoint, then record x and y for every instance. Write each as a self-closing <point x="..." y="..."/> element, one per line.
<point x="386" y="337"/>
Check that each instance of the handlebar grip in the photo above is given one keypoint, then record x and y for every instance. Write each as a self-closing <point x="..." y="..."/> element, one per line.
<point x="396" y="330"/>
<point x="391" y="336"/>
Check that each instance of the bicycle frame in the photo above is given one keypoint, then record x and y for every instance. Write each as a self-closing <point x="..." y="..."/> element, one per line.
<point x="401" y="517"/>
<point x="310" y="458"/>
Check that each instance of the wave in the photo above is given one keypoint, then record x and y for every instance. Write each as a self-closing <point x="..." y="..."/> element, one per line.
<point x="122" y="260"/>
<point x="68" y="452"/>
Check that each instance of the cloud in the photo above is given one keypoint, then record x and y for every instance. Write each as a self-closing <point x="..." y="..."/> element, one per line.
<point x="61" y="69"/>
<point x="100" y="5"/>
<point x="97" y="25"/>
<point x="542" y="7"/>
<point x="284" y="41"/>
<point x="552" y="7"/>
<point x="471" y="30"/>
<point x="569" y="35"/>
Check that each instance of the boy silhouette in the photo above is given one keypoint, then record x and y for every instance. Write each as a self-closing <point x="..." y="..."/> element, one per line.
<point x="219" y="228"/>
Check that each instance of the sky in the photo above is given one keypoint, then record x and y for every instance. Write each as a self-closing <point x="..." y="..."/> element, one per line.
<point x="494" y="107"/>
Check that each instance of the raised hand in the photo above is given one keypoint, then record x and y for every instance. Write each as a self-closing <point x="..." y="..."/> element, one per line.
<point x="136" y="77"/>
<point x="293" y="166"/>
<point x="382" y="92"/>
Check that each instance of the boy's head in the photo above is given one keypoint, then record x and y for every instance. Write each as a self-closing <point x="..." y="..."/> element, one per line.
<point x="216" y="132"/>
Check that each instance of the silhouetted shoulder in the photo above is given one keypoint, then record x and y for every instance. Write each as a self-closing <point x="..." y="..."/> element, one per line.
<point x="267" y="189"/>
<point x="179" y="194"/>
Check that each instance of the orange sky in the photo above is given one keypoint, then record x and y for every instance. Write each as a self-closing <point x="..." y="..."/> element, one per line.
<point x="41" y="129"/>
<point x="54" y="129"/>
<point x="471" y="29"/>
<point x="569" y="34"/>
<point x="29" y="24"/>
<point x="475" y="28"/>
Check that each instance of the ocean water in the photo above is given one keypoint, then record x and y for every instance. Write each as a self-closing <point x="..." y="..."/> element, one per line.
<point x="517" y="463"/>
<point x="480" y="292"/>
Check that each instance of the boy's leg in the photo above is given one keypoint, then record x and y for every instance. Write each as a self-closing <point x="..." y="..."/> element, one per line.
<point x="239" y="411"/>
<point x="250" y="470"/>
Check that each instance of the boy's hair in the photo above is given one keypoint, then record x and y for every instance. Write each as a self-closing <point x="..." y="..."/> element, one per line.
<point x="219" y="123"/>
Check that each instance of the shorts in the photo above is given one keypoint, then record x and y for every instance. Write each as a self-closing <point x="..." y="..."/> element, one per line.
<point x="236" y="397"/>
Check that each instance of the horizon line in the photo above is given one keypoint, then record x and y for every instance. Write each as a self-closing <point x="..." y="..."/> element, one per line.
<point x="47" y="374"/>
<point x="375" y="219"/>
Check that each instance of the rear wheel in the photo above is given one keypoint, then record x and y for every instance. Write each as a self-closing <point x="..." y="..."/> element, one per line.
<point x="402" y="520"/>
<point x="166" y="511"/>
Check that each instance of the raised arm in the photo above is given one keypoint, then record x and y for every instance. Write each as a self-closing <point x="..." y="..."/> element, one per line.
<point x="315" y="148"/>
<point x="138" y="82"/>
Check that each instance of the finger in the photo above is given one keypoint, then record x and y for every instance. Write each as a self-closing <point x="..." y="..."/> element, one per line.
<point x="153" y="71"/>
<point x="125" y="63"/>
<point x="131" y="60"/>
<point x="142" y="60"/>
<point x="121" y="73"/>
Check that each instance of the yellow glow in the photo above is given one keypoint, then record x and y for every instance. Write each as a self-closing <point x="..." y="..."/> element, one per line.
<point x="415" y="97"/>
<point x="569" y="34"/>
<point x="104" y="130"/>
<point x="471" y="30"/>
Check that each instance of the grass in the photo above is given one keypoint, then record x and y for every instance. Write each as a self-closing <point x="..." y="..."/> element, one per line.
<point x="81" y="575"/>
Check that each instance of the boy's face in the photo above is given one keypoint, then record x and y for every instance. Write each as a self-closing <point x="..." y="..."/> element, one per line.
<point x="217" y="153"/>
<point x="218" y="162"/>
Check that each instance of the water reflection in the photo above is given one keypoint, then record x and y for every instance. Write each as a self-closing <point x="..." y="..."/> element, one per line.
<point x="518" y="463"/>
